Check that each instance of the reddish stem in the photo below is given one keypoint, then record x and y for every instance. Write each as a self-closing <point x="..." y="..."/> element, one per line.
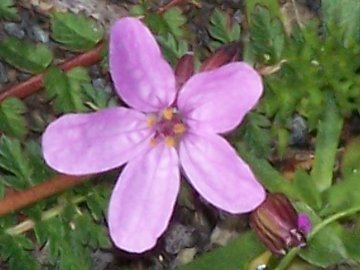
<point x="35" y="83"/>
<point x="171" y="4"/>
<point x="58" y="183"/>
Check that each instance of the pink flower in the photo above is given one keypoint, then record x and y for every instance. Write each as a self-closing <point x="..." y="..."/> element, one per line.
<point x="162" y="131"/>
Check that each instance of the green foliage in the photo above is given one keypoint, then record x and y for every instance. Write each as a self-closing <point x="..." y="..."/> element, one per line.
<point x="327" y="246"/>
<point x="256" y="134"/>
<point x="266" y="173"/>
<point x="327" y="142"/>
<point x="171" y="21"/>
<point x="236" y="255"/>
<point x="307" y="78"/>
<point x="25" y="55"/>
<point x="267" y="36"/>
<point x="16" y="249"/>
<point x="304" y="185"/>
<point x="14" y="161"/>
<point x="222" y="30"/>
<point x="342" y="17"/>
<point x="75" y="32"/>
<point x="7" y="10"/>
<point x="66" y="232"/>
<point x="175" y="20"/>
<point x="70" y="237"/>
<point x="342" y="196"/>
<point x="351" y="160"/>
<point x="172" y="48"/>
<point x="73" y="92"/>
<point x="12" y="121"/>
<point x="64" y="91"/>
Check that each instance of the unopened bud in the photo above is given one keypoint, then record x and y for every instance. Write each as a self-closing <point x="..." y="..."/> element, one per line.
<point x="224" y="55"/>
<point x="184" y="69"/>
<point x="278" y="225"/>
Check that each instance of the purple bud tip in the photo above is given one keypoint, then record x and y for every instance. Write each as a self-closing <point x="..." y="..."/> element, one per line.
<point x="304" y="223"/>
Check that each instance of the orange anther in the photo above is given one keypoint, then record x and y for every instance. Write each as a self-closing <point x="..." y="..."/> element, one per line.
<point x="168" y="113"/>
<point x="170" y="141"/>
<point x="179" y="128"/>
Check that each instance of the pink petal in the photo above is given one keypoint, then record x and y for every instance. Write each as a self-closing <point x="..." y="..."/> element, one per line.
<point x="94" y="142"/>
<point x="304" y="223"/>
<point x="142" y="78"/>
<point x="143" y="199"/>
<point x="218" y="174"/>
<point x="218" y="100"/>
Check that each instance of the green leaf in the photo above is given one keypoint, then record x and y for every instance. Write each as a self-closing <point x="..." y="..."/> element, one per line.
<point x="326" y="247"/>
<point x="267" y="174"/>
<point x="75" y="31"/>
<point x="14" y="161"/>
<point x="25" y="55"/>
<point x="305" y="187"/>
<point x="221" y="29"/>
<point x="12" y="121"/>
<point x="267" y="35"/>
<point x="343" y="16"/>
<point x="272" y="5"/>
<point x="351" y="159"/>
<point x="342" y="196"/>
<point x="7" y="10"/>
<point x="175" y="20"/>
<point x="172" y="48"/>
<point x="65" y="90"/>
<point x="15" y="249"/>
<point x="351" y="240"/>
<point x="327" y="141"/>
<point x="236" y="255"/>
<point x="255" y="132"/>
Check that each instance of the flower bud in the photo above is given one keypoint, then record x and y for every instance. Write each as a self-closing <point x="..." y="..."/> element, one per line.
<point x="224" y="55"/>
<point x="184" y="69"/>
<point x="278" y="225"/>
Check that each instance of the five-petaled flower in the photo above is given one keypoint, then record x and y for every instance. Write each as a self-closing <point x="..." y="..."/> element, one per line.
<point x="164" y="129"/>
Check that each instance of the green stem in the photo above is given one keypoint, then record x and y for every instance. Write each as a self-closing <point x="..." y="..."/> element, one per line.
<point x="286" y="260"/>
<point x="29" y="223"/>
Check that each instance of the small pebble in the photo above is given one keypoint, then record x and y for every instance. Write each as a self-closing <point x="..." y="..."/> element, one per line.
<point x="178" y="237"/>
<point x="101" y="259"/>
<point x="3" y="76"/>
<point x="299" y="130"/>
<point x="12" y="75"/>
<point x="99" y="83"/>
<point x="13" y="29"/>
<point x="39" y="34"/>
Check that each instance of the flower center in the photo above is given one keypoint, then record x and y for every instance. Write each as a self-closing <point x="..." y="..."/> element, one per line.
<point x="168" y="126"/>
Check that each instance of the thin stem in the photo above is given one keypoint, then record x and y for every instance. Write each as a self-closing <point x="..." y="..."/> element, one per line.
<point x="39" y="192"/>
<point x="30" y="224"/>
<point x="35" y="83"/>
<point x="286" y="260"/>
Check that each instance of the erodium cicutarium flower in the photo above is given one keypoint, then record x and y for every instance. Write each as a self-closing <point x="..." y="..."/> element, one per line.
<point x="162" y="131"/>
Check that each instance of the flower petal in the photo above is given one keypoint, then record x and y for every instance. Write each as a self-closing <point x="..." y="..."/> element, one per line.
<point x="94" y="142"/>
<point x="143" y="199"/>
<point x="142" y="77"/>
<point x="219" y="99"/>
<point x="218" y="173"/>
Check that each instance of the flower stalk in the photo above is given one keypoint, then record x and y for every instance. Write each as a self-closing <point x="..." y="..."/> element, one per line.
<point x="39" y="192"/>
<point x="35" y="83"/>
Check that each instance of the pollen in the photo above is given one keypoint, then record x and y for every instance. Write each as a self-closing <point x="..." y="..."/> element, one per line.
<point x="151" y="120"/>
<point x="170" y="141"/>
<point x="168" y="113"/>
<point x="179" y="128"/>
